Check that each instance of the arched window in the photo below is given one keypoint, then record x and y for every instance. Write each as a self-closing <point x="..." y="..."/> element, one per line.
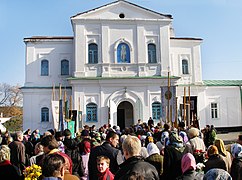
<point x="92" y="53"/>
<point x="156" y="111"/>
<point x="44" y="114"/>
<point x="91" y="112"/>
<point x="123" y="53"/>
<point x="64" y="67"/>
<point x="152" y="53"/>
<point x="185" y="66"/>
<point x="44" y="67"/>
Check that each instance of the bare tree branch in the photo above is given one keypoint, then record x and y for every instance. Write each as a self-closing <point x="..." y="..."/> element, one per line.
<point x="10" y="95"/>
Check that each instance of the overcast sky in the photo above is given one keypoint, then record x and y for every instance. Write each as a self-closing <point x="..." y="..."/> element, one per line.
<point x="217" y="22"/>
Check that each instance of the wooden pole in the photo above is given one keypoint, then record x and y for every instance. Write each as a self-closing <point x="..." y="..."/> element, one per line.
<point x="184" y="106"/>
<point x="172" y="124"/>
<point x="189" y="102"/>
<point x="70" y="102"/>
<point x="65" y="105"/>
<point x="176" y="123"/>
<point x="53" y="92"/>
<point x="79" y="102"/>
<point x="60" y="92"/>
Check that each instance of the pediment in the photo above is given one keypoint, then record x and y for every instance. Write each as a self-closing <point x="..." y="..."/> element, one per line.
<point x="118" y="9"/>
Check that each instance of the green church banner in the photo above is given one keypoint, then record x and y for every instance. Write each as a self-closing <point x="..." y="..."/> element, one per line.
<point x="71" y="127"/>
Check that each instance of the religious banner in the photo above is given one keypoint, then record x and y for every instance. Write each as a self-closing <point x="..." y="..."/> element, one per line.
<point x="71" y="127"/>
<point x="55" y="113"/>
<point x="171" y="110"/>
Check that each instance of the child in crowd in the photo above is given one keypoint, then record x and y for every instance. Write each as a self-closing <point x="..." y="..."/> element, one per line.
<point x="103" y="168"/>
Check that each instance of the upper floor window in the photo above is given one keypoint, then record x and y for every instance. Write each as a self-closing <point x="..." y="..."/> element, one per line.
<point x="64" y="67"/>
<point x="214" y="110"/>
<point x="185" y="66"/>
<point x="92" y="53"/>
<point x="123" y="53"/>
<point x="152" y="53"/>
<point x="91" y="112"/>
<point x="44" y="114"/>
<point x="44" y="67"/>
<point x="156" y="111"/>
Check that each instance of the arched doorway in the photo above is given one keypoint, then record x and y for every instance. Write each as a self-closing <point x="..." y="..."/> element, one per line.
<point x="125" y="114"/>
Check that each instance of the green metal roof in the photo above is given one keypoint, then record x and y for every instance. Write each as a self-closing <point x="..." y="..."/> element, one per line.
<point x="222" y="82"/>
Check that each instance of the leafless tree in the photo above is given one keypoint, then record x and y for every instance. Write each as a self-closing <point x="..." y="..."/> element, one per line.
<point x="10" y="95"/>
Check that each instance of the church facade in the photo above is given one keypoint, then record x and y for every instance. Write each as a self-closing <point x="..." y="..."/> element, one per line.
<point x="124" y="63"/>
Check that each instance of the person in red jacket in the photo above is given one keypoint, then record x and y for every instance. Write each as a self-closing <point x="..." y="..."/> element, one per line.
<point x="103" y="168"/>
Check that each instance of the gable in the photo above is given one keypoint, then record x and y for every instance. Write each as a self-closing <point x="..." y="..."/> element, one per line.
<point x="118" y="9"/>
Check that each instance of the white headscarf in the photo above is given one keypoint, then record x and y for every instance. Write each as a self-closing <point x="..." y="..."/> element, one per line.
<point x="152" y="149"/>
<point x="236" y="150"/>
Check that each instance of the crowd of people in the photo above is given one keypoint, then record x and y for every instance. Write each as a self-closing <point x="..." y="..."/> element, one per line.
<point x="142" y="151"/>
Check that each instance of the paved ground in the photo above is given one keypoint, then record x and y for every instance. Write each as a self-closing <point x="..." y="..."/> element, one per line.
<point x="229" y="137"/>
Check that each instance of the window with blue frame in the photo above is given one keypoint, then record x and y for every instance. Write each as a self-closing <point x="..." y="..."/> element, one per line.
<point x="123" y="53"/>
<point x="91" y="112"/>
<point x="64" y="67"/>
<point x="156" y="111"/>
<point x="185" y="66"/>
<point x="44" y="67"/>
<point x="152" y="53"/>
<point x="92" y="53"/>
<point x="44" y="114"/>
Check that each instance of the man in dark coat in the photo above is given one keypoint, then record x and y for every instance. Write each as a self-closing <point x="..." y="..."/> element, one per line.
<point x="17" y="152"/>
<point x="71" y="149"/>
<point x="107" y="149"/>
<point x="134" y="165"/>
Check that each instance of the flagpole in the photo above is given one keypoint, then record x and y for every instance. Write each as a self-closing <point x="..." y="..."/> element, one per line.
<point x="60" y="92"/>
<point x="53" y="92"/>
<point x="71" y="102"/>
<point x="79" y="110"/>
<point x="184" y="106"/>
<point x="189" y="102"/>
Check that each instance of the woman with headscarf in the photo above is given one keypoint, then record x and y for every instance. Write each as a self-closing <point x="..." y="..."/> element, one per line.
<point x="85" y="158"/>
<point x="196" y="142"/>
<point x="172" y="157"/>
<point x="188" y="165"/>
<point x="225" y="155"/>
<point x="217" y="174"/>
<point x="154" y="157"/>
<point x="214" y="160"/>
<point x="197" y="145"/>
<point x="236" y="167"/>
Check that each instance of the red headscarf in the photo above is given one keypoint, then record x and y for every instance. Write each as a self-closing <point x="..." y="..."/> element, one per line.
<point x="87" y="147"/>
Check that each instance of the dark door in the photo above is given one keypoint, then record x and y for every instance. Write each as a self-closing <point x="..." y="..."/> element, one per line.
<point x="121" y="118"/>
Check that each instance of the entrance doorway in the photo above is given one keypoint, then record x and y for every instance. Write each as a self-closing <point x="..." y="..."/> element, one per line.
<point x="125" y="114"/>
<point x="193" y="111"/>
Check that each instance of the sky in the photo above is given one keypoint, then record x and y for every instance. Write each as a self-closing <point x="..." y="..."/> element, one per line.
<point x="217" y="22"/>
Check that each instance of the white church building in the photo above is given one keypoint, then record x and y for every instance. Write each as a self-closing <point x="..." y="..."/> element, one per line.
<point x="124" y="63"/>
